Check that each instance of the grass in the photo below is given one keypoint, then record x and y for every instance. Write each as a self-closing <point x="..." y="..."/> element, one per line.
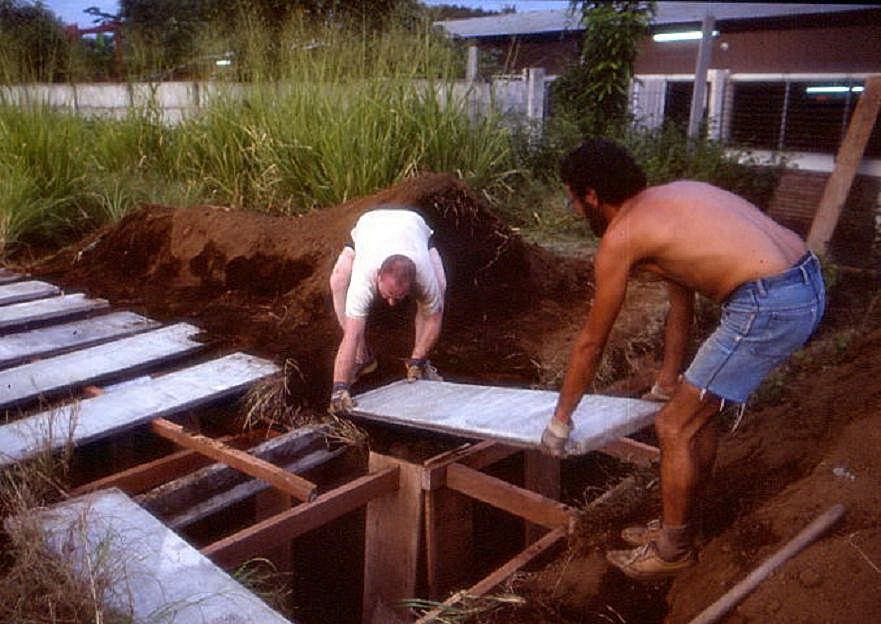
<point x="326" y="115"/>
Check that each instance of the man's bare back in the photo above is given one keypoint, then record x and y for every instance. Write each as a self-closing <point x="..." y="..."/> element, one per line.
<point x="702" y="237"/>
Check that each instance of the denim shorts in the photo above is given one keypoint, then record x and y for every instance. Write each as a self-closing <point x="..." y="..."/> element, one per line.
<point x="763" y="322"/>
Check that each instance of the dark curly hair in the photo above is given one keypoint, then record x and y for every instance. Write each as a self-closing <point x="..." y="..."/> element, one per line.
<point x="604" y="166"/>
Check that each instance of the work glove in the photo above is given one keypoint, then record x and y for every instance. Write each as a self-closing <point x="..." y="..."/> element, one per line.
<point x="340" y="399"/>
<point x="421" y="368"/>
<point x="554" y="437"/>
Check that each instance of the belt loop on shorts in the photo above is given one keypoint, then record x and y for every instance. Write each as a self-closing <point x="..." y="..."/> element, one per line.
<point x="804" y="273"/>
<point x="760" y="284"/>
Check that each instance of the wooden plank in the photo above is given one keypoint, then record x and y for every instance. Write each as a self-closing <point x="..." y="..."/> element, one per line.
<point x="247" y="543"/>
<point x="391" y="544"/>
<point x="541" y="474"/>
<point x="176" y="497"/>
<point x="7" y="276"/>
<point x="132" y="405"/>
<point x="154" y="574"/>
<point x="245" y="490"/>
<point x="850" y="153"/>
<point x="19" y="315"/>
<point x="499" y="575"/>
<point x="48" y="341"/>
<point x="477" y="456"/>
<point x="508" y="497"/>
<point x="240" y="460"/>
<point x="19" y="292"/>
<point x="515" y="416"/>
<point x="449" y="538"/>
<point x="95" y="364"/>
<point x="633" y="451"/>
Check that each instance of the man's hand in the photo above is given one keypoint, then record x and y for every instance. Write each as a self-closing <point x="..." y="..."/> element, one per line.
<point x="340" y="399"/>
<point x="554" y="437"/>
<point x="421" y="368"/>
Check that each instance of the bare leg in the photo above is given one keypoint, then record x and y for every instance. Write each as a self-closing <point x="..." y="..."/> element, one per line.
<point x="340" y="277"/>
<point x="688" y="449"/>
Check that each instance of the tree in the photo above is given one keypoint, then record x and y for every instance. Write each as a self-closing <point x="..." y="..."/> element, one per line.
<point x="33" y="45"/>
<point x="593" y="91"/>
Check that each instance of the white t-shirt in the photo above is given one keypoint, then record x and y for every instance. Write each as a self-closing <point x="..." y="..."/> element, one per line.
<point x="388" y="232"/>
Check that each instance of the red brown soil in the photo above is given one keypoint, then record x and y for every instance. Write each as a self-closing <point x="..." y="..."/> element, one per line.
<point x="259" y="283"/>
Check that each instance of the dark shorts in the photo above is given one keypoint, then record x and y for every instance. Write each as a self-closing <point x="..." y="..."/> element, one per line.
<point x="763" y="322"/>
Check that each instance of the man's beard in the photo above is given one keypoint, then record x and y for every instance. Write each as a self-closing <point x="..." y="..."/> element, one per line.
<point x="596" y="220"/>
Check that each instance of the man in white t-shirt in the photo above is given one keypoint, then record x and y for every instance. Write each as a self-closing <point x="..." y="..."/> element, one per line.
<point x="391" y="256"/>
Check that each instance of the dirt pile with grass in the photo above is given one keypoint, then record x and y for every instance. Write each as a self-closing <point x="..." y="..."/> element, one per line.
<point x="260" y="283"/>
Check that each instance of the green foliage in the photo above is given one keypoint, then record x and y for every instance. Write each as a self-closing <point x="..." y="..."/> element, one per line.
<point x="33" y="46"/>
<point x="593" y="92"/>
<point x="342" y="119"/>
<point x="666" y="154"/>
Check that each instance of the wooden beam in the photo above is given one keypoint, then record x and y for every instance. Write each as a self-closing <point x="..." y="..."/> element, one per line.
<point x="449" y="538"/>
<point x="850" y="153"/>
<point x="507" y="497"/>
<point x="266" y="471"/>
<point x="247" y="543"/>
<point x="499" y="575"/>
<point x="541" y="474"/>
<point x="392" y="541"/>
<point x="477" y="456"/>
<point x="629" y="450"/>
<point x="146" y="476"/>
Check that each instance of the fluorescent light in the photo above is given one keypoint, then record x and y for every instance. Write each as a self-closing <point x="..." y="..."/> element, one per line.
<point x="223" y="62"/>
<point x="687" y="35"/>
<point x="833" y="89"/>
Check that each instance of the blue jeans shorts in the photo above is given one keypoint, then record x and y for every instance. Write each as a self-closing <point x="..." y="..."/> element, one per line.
<point x="763" y="322"/>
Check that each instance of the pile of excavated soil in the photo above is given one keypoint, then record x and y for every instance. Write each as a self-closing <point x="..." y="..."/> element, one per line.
<point x="260" y="283"/>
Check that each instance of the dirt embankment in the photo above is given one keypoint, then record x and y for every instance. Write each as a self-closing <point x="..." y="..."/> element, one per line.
<point x="260" y="283"/>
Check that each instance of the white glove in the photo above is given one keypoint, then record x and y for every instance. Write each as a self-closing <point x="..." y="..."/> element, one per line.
<point x="554" y="437"/>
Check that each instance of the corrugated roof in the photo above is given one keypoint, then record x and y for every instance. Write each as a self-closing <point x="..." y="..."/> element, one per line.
<point x="667" y="13"/>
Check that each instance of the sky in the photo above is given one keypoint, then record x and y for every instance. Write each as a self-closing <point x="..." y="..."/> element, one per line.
<point x="71" y="11"/>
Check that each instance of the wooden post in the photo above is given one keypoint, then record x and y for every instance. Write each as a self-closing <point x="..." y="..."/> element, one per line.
<point x="541" y="474"/>
<point x="699" y="92"/>
<point x="267" y="504"/>
<point x="449" y="540"/>
<point x="846" y="162"/>
<point x="391" y="544"/>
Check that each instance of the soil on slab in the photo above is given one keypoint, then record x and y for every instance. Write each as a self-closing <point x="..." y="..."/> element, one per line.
<point x="259" y="283"/>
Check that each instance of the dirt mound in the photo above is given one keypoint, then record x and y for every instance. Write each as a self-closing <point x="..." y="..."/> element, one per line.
<point x="259" y="283"/>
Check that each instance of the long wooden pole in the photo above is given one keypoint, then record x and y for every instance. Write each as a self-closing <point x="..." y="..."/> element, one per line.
<point x="739" y="591"/>
<point x="846" y="163"/>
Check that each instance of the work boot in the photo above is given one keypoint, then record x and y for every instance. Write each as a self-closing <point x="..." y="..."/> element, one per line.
<point x="366" y="367"/>
<point x="642" y="534"/>
<point x="646" y="564"/>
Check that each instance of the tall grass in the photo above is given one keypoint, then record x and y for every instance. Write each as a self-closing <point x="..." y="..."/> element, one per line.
<point x="313" y="117"/>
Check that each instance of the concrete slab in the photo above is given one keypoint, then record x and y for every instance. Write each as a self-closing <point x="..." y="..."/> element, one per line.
<point x="131" y="405"/>
<point x="155" y="575"/>
<point x="19" y="315"/>
<point x="7" y="276"/>
<point x="19" y="292"/>
<point x="511" y="415"/>
<point x="19" y="347"/>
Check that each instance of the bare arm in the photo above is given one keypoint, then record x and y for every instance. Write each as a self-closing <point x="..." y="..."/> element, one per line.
<point x="344" y="364"/>
<point x="611" y="267"/>
<point x="427" y="334"/>
<point x="676" y="334"/>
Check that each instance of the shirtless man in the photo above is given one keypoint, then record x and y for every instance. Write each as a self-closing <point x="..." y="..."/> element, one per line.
<point x="698" y="238"/>
<point x="391" y="256"/>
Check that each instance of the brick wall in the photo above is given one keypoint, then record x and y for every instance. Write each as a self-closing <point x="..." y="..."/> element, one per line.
<point x="857" y="238"/>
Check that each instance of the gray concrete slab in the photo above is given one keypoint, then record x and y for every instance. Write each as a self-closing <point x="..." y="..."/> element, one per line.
<point x="156" y="576"/>
<point x="7" y="276"/>
<point x="19" y="315"/>
<point x="19" y="292"/>
<point x="46" y="341"/>
<point x="511" y="415"/>
<point x="95" y="364"/>
<point x="131" y="405"/>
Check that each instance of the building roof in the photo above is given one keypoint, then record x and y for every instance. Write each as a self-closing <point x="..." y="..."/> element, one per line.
<point x="667" y="14"/>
